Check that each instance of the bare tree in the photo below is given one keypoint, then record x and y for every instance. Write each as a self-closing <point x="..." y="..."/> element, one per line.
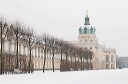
<point x="90" y="53"/>
<point x="84" y="56"/>
<point x="60" y="44"/>
<point x="18" y="30"/>
<point x="71" y="52"/>
<point x="45" y="41"/>
<point x="4" y="35"/>
<point x="81" y="57"/>
<point x="30" y="41"/>
<point x="67" y="48"/>
<point x="48" y="44"/>
<point x="75" y="53"/>
<point x="53" y="45"/>
<point x="87" y="58"/>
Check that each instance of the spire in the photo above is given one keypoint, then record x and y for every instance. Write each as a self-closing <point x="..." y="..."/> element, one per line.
<point x="86" y="12"/>
<point x="87" y="19"/>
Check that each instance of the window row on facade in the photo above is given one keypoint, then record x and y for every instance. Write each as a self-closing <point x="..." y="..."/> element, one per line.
<point x="109" y="58"/>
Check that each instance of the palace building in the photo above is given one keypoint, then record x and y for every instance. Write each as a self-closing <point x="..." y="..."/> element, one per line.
<point x="104" y="58"/>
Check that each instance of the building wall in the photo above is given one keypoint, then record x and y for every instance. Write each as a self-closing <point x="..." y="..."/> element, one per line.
<point x="99" y="61"/>
<point x="90" y="41"/>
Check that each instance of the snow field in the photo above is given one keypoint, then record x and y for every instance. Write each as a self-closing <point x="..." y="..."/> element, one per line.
<point x="115" y="76"/>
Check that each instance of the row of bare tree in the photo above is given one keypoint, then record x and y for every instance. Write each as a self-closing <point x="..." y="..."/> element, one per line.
<point x="69" y="54"/>
<point x="18" y="33"/>
<point x="15" y="33"/>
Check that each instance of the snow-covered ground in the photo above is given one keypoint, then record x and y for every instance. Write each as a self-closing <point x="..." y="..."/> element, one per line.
<point x="117" y="76"/>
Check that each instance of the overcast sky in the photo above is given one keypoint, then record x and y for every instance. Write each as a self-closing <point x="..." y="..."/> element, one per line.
<point x="62" y="18"/>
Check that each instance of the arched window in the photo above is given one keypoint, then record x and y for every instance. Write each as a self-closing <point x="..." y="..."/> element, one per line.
<point x="107" y="58"/>
<point x="112" y="58"/>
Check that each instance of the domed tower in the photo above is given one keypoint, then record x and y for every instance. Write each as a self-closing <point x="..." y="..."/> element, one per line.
<point x="88" y="40"/>
<point x="87" y="33"/>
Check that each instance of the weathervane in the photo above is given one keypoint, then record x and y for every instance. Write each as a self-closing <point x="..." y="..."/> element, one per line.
<point x="86" y="12"/>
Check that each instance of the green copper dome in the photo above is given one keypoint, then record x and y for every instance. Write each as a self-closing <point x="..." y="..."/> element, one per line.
<point x="87" y="29"/>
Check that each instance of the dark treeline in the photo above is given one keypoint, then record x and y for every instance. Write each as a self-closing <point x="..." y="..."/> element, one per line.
<point x="71" y="57"/>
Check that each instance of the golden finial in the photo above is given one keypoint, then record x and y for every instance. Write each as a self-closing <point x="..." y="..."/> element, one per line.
<point x="86" y="12"/>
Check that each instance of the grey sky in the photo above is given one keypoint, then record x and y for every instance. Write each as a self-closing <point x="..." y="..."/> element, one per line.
<point x="62" y="18"/>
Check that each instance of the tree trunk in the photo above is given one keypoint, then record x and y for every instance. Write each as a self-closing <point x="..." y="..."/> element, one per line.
<point x="91" y="65"/>
<point x="66" y="60"/>
<point x="29" y="56"/>
<point x="81" y="62"/>
<point x="44" y="56"/>
<point x="78" y="63"/>
<point x="71" y="62"/>
<point x="1" y="52"/>
<point x="61" y="66"/>
<point x="17" y="63"/>
<point x="87" y="65"/>
<point x="75" y="62"/>
<point x="53" y="58"/>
